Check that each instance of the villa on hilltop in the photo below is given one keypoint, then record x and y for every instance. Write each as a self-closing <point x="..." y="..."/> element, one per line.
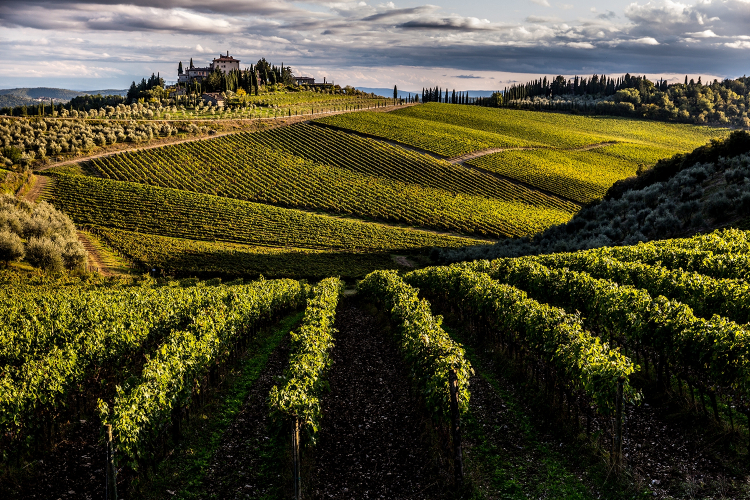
<point x="225" y="63"/>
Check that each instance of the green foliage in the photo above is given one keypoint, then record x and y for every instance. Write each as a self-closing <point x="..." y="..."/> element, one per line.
<point x="310" y="359"/>
<point x="708" y="352"/>
<point x="237" y="166"/>
<point x="428" y="350"/>
<point x="178" y="369"/>
<point x="181" y="256"/>
<point x="56" y="332"/>
<point x="564" y="131"/>
<point x="377" y="159"/>
<point x="183" y="214"/>
<point x="722" y="254"/>
<point x="556" y="338"/>
<point x="707" y="296"/>
<point x="11" y="247"/>
<point x="444" y="139"/>
<point x="581" y="176"/>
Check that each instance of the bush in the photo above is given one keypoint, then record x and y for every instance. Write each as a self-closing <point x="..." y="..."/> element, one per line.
<point x="74" y="255"/>
<point x="11" y="247"/>
<point x="45" y="254"/>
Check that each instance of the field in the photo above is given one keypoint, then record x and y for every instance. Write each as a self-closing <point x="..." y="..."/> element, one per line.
<point x="255" y="172"/>
<point x="614" y="373"/>
<point x="218" y="258"/>
<point x="184" y="214"/>
<point x="564" y="327"/>
<point x="581" y="176"/>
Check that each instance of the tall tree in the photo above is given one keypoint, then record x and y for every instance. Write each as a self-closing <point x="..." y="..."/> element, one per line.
<point x="179" y="68"/>
<point x="395" y="92"/>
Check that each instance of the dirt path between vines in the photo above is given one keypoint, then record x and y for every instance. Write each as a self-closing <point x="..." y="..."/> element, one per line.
<point x="237" y="467"/>
<point x="40" y="182"/>
<point x="372" y="439"/>
<point x="96" y="262"/>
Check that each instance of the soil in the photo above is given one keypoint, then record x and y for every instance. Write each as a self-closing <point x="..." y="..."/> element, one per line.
<point x="40" y="182"/>
<point x="670" y="450"/>
<point x="96" y="263"/>
<point x="373" y="441"/>
<point x="236" y="468"/>
<point x="74" y="469"/>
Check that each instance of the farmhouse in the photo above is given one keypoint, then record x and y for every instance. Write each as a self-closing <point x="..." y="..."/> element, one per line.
<point x="214" y="98"/>
<point x="225" y="63"/>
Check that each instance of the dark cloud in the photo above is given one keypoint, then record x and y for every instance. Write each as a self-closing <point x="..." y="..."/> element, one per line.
<point x="467" y="76"/>
<point x="648" y="38"/>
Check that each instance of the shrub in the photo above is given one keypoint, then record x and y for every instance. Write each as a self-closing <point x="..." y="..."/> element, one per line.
<point x="45" y="254"/>
<point x="11" y="247"/>
<point x="74" y="255"/>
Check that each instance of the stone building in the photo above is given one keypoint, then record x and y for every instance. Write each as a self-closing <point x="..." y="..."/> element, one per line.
<point x="225" y="63"/>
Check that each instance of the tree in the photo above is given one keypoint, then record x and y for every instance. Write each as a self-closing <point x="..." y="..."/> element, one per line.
<point x="395" y="92"/>
<point x="191" y="63"/>
<point x="11" y="247"/>
<point x="179" y="68"/>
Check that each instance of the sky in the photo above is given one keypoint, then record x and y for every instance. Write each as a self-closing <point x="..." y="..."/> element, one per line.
<point x="466" y="45"/>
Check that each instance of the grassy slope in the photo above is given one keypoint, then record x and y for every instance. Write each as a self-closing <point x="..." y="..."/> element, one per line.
<point x="204" y="258"/>
<point x="182" y="214"/>
<point x="257" y="173"/>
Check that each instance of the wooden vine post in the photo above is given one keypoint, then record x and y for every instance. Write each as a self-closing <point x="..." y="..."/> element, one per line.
<point x="458" y="464"/>
<point x="110" y="469"/>
<point x="617" y="451"/>
<point x="296" y="459"/>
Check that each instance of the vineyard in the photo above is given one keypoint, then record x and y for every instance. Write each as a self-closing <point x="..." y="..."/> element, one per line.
<point x="256" y="172"/>
<point x="184" y="214"/>
<point x="581" y="176"/>
<point x="614" y="372"/>
<point x="588" y="337"/>
<point x="566" y="131"/>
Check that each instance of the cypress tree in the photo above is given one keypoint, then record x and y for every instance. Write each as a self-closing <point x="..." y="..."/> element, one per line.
<point x="395" y="92"/>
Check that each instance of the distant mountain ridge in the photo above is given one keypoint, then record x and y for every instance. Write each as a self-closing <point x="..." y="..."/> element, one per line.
<point x="28" y="96"/>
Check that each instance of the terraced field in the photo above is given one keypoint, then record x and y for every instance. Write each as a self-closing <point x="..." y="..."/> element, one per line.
<point x="255" y="172"/>
<point x="582" y="176"/>
<point x="183" y="214"/>
<point x="563" y="130"/>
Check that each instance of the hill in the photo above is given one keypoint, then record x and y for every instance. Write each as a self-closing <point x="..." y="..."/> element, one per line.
<point x="683" y="195"/>
<point x="618" y="372"/>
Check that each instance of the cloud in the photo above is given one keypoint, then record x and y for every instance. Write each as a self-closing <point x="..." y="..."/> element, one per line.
<point x="703" y="34"/>
<point x="543" y="3"/>
<point x="581" y="45"/>
<point x="149" y="36"/>
<point x="468" y="76"/>
<point x="543" y="19"/>
<point x="739" y="44"/>
<point x="647" y="40"/>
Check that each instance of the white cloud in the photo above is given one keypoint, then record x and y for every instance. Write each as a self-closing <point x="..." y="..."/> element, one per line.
<point x="581" y="45"/>
<point x="543" y="3"/>
<point x="739" y="44"/>
<point x="703" y="34"/>
<point x="646" y="41"/>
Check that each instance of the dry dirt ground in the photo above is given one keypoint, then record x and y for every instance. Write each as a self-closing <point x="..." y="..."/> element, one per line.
<point x="373" y="440"/>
